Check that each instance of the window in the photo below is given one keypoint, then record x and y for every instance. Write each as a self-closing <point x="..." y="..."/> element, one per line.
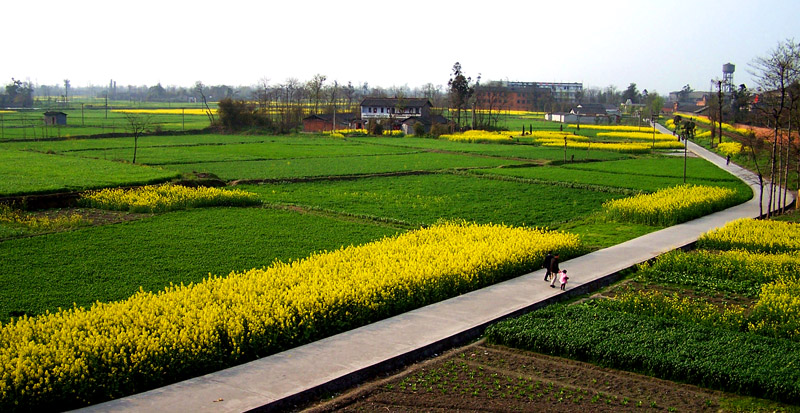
<point x="381" y="110"/>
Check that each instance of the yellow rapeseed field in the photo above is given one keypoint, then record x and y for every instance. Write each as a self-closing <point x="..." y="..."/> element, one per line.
<point x="162" y="198"/>
<point x="637" y="136"/>
<point x="754" y="235"/>
<point x="670" y="206"/>
<point x="190" y="111"/>
<point x="73" y="357"/>
<point x="480" y="136"/>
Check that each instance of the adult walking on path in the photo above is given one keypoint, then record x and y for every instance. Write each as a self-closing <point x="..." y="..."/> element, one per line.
<point x="547" y="260"/>
<point x="554" y="270"/>
<point x="340" y="361"/>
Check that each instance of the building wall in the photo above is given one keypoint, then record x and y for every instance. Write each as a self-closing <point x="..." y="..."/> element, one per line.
<point x="383" y="112"/>
<point x="319" y="125"/>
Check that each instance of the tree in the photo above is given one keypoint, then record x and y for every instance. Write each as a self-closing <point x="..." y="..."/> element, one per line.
<point x="66" y="90"/>
<point x="156" y="93"/>
<point x="18" y="94"/>
<point x="774" y="74"/>
<point x="653" y="104"/>
<point x="684" y="93"/>
<point x="199" y="88"/>
<point x="631" y="93"/>
<point x="315" y="88"/>
<point x="137" y="125"/>
<point x="740" y="103"/>
<point x="461" y="90"/>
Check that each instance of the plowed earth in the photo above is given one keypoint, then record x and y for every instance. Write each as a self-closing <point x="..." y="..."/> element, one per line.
<point x="487" y="378"/>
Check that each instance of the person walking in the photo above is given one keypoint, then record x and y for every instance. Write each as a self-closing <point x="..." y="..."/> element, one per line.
<point x="554" y="270"/>
<point x="547" y="259"/>
<point x="562" y="277"/>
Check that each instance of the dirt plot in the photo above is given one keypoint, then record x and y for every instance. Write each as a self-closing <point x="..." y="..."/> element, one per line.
<point x="487" y="378"/>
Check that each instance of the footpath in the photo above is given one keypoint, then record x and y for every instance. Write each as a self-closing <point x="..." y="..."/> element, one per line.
<point x="280" y="381"/>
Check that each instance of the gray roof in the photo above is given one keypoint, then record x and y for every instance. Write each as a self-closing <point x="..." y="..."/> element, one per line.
<point x="393" y="102"/>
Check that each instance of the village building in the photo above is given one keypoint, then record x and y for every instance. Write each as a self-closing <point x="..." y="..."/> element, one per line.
<point x="392" y="113"/>
<point x="588" y="114"/>
<point x="525" y="96"/>
<point x="328" y="122"/>
<point x="55" y="118"/>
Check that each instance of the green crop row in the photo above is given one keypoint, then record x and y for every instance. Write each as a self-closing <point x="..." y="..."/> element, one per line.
<point x="721" y="359"/>
<point x="737" y="272"/>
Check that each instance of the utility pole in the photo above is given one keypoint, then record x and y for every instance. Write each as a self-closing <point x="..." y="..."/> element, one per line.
<point x="719" y="96"/>
<point x="653" y="121"/>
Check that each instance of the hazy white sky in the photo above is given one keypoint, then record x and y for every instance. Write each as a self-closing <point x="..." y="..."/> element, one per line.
<point x="658" y="45"/>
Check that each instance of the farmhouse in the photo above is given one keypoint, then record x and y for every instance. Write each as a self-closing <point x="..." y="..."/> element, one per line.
<point x="588" y="113"/>
<point x="55" y="118"/>
<point x="394" y="108"/>
<point x="326" y="122"/>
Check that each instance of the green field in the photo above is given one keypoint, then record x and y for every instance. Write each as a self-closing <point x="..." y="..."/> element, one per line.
<point x="646" y="174"/>
<point x="112" y="262"/>
<point x="23" y="172"/>
<point x="424" y="199"/>
<point x="318" y="193"/>
<point x="522" y="151"/>
<point x="29" y="125"/>
<point x="421" y="182"/>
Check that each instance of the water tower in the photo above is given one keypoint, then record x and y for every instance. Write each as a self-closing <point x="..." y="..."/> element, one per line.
<point x="727" y="77"/>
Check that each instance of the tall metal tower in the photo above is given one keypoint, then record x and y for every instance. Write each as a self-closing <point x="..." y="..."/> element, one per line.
<point x="727" y="78"/>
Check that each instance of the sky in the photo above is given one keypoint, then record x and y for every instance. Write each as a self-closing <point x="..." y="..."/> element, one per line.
<point x="660" y="46"/>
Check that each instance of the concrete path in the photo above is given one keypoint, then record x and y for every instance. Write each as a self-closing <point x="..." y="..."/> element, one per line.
<point x="278" y="381"/>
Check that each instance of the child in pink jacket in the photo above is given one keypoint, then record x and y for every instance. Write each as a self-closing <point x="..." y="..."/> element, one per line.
<point x="562" y="277"/>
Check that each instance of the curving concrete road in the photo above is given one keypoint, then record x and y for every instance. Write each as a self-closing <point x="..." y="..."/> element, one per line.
<point x="331" y="364"/>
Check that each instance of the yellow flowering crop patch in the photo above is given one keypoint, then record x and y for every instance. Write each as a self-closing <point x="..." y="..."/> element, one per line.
<point x="480" y="136"/>
<point x="615" y="128"/>
<point x="730" y="148"/>
<point x="162" y="198"/>
<point x="637" y="136"/>
<point x="624" y="147"/>
<point x="69" y="358"/>
<point x="549" y="134"/>
<point x="694" y="310"/>
<point x="777" y="312"/>
<point x="670" y="206"/>
<point x="192" y="111"/>
<point x="754" y="235"/>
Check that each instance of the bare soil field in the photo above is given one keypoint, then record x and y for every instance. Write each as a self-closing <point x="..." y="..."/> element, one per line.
<point x="487" y="378"/>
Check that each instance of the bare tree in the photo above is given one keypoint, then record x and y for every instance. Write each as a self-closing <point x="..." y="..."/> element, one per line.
<point x="137" y="125"/>
<point x="315" y="88"/>
<point x="199" y="88"/>
<point x="774" y="74"/>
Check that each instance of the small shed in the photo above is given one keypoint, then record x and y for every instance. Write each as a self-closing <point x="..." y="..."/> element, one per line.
<point x="55" y="118"/>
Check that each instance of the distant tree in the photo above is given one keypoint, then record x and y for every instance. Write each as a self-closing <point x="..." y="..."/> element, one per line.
<point x="315" y="89"/>
<point x="137" y="125"/>
<point x="156" y="93"/>
<point x="631" y="93"/>
<point x="349" y="92"/>
<point x="461" y="90"/>
<point x="18" y="94"/>
<point x="740" y="103"/>
<point x="654" y="103"/>
<point x="684" y="92"/>
<point x="199" y="88"/>
<point x="66" y="90"/>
